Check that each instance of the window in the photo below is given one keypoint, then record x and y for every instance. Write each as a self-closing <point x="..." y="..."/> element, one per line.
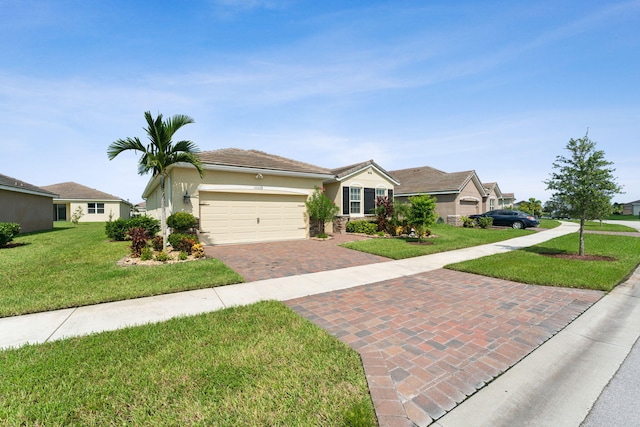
<point x="95" y="208"/>
<point x="491" y="204"/>
<point x="354" y="200"/>
<point x="381" y="192"/>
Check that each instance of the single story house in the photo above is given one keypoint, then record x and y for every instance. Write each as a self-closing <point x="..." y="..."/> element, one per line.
<point x="496" y="199"/>
<point x="631" y="208"/>
<point x="457" y="194"/>
<point x="25" y="204"/>
<point x="96" y="206"/>
<point x="253" y="196"/>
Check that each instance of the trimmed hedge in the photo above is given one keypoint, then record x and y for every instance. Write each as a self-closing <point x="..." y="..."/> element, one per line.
<point x="8" y="230"/>
<point x="182" y="241"/>
<point x="181" y="222"/>
<point x="362" y="226"/>
<point x="118" y="229"/>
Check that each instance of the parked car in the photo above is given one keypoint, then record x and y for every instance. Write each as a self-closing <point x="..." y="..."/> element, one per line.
<point x="510" y="218"/>
<point x="560" y="215"/>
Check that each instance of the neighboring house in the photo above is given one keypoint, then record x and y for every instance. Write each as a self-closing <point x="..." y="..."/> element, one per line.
<point x="631" y="208"/>
<point x="253" y="196"/>
<point x="139" y="209"/>
<point x="25" y="204"/>
<point x="96" y="206"/>
<point x="495" y="198"/>
<point x="457" y="194"/>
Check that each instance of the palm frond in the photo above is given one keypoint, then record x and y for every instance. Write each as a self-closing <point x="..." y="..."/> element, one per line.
<point x="121" y="145"/>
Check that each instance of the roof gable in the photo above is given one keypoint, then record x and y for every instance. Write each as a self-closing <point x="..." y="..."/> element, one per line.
<point x="345" y="171"/>
<point x="75" y="191"/>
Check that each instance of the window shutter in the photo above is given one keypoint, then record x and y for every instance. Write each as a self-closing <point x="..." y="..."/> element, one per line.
<point x="369" y="200"/>
<point x="345" y="200"/>
<point x="390" y="194"/>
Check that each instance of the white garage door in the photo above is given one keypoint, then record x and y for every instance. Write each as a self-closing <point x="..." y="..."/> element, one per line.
<point x="247" y="217"/>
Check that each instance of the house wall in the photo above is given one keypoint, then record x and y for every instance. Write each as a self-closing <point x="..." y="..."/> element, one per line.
<point x="186" y="181"/>
<point x="367" y="178"/>
<point x="116" y="208"/>
<point x="32" y="212"/>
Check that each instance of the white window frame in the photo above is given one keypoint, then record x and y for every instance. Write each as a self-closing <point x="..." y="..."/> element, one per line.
<point x="95" y="208"/>
<point x="380" y="192"/>
<point x="492" y="204"/>
<point x="355" y="199"/>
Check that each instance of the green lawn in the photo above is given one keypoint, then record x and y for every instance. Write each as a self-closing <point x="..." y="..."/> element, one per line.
<point x="258" y="365"/>
<point x="625" y="217"/>
<point x="72" y="266"/>
<point x="448" y="238"/>
<point x="598" y="226"/>
<point x="529" y="265"/>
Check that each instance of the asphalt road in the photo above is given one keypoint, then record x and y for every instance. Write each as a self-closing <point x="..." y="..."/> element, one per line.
<point x="618" y="403"/>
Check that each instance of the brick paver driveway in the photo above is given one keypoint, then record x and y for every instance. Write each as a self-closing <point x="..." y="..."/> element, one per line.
<point x="427" y="341"/>
<point x="261" y="261"/>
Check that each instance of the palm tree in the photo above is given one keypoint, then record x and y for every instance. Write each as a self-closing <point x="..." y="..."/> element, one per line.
<point x="160" y="153"/>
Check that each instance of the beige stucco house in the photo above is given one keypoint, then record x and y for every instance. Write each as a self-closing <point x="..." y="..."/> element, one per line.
<point x="25" y="204"/>
<point x="96" y="205"/>
<point x="457" y="194"/>
<point x="253" y="196"/>
<point x="495" y="198"/>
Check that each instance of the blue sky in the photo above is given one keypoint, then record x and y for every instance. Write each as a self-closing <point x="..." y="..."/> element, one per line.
<point x="498" y="86"/>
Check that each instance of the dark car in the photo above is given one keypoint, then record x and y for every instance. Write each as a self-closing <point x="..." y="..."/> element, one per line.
<point x="510" y="218"/>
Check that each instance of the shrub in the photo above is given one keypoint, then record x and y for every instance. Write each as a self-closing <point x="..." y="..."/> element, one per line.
<point x="320" y="208"/>
<point x="162" y="256"/>
<point x="152" y="225"/>
<point x="146" y="254"/>
<point x="178" y="241"/>
<point x="139" y="237"/>
<point x="181" y="222"/>
<point x="485" y="222"/>
<point x="198" y="250"/>
<point x="362" y="226"/>
<point x="117" y="230"/>
<point x="8" y="230"/>
<point x="384" y="210"/>
<point x="182" y="256"/>
<point x="156" y="243"/>
<point x="466" y="221"/>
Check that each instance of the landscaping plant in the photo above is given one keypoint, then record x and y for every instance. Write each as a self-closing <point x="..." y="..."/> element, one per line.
<point x="182" y="222"/>
<point x="8" y="230"/>
<point x="160" y="153"/>
<point x="321" y="209"/>
<point x="422" y="214"/>
<point x="384" y="211"/>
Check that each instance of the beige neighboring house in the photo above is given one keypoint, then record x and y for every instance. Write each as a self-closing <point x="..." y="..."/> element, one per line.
<point x="496" y="199"/>
<point x="96" y="206"/>
<point x="631" y="208"/>
<point x="252" y="196"/>
<point x="457" y="194"/>
<point x="25" y="204"/>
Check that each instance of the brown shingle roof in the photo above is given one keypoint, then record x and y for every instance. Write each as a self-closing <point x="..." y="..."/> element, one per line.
<point x="426" y="179"/>
<point x="7" y="181"/>
<point x="75" y="191"/>
<point x="257" y="159"/>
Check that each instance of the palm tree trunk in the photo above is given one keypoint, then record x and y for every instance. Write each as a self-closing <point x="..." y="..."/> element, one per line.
<point x="163" y="214"/>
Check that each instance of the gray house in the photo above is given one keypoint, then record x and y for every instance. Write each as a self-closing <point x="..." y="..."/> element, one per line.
<point x="25" y="204"/>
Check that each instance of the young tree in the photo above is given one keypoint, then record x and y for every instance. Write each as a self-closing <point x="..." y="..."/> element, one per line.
<point x="160" y="153"/>
<point x="532" y="206"/>
<point x="76" y="215"/>
<point x="422" y="214"/>
<point x="584" y="182"/>
<point x="384" y="211"/>
<point x="321" y="209"/>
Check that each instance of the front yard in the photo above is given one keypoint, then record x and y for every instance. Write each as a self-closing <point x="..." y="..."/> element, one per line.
<point x="72" y="266"/>
<point x="258" y="365"/>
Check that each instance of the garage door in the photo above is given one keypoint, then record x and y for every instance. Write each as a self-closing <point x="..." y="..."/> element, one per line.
<point x="247" y="217"/>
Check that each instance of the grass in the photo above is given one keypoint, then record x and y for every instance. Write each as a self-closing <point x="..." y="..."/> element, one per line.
<point x="598" y="226"/>
<point x="256" y="365"/>
<point x="625" y="217"/>
<point x="530" y="266"/>
<point x="73" y="266"/>
<point x="548" y="223"/>
<point x="449" y="238"/>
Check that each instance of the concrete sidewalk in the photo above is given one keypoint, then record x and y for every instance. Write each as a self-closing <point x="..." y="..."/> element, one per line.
<point x="48" y="326"/>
